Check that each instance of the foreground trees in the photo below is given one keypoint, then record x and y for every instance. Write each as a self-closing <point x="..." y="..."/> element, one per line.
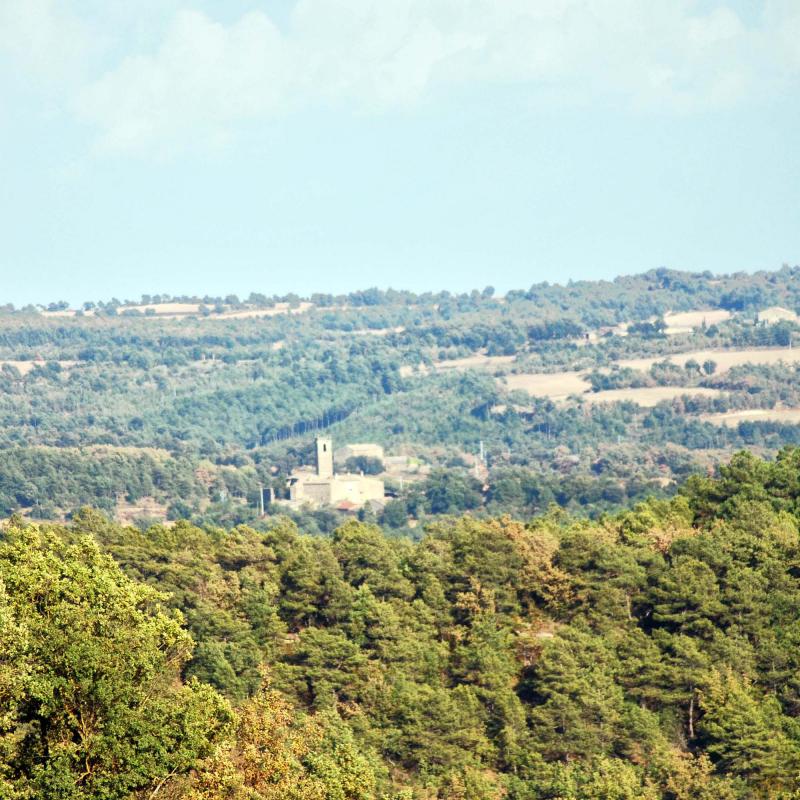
<point x="90" y="699"/>
<point x="648" y="655"/>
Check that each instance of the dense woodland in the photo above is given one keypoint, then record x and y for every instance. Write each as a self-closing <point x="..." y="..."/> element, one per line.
<point x="121" y="408"/>
<point x="650" y="654"/>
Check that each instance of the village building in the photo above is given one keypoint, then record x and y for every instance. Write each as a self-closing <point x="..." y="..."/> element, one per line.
<point x="321" y="486"/>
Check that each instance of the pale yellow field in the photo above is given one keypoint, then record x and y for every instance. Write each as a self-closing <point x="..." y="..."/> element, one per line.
<point x="174" y="310"/>
<point x="776" y="314"/>
<point x="725" y="359"/>
<point x="650" y="396"/>
<point x="165" y="309"/>
<point x="560" y="385"/>
<point x="278" y="308"/>
<point x="686" y="321"/>
<point x="555" y="385"/>
<point x="67" y="312"/>
<point x="25" y="367"/>
<point x="730" y="419"/>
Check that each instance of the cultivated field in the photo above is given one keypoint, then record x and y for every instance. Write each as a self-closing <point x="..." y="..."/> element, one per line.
<point x="650" y="396"/>
<point x="165" y="309"/>
<point x="67" y="312"/>
<point x="278" y="308"/>
<point x="724" y="359"/>
<point x="178" y="310"/>
<point x="25" y="367"/>
<point x="560" y="385"/>
<point x="730" y="419"/>
<point x="555" y="385"/>
<point x="687" y="321"/>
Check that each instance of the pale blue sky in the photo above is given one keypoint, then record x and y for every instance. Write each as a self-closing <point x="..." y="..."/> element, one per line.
<point x="329" y="145"/>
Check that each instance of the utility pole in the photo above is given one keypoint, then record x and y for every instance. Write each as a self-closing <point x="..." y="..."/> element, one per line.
<point x="261" y="499"/>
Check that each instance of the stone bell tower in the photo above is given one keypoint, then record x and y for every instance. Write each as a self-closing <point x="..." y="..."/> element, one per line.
<point x="324" y="456"/>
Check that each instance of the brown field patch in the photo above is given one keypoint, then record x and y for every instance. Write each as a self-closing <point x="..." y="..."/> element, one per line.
<point x="25" y="367"/>
<point x="164" y="309"/>
<point x="67" y="312"/>
<point x="775" y="314"/>
<point x="725" y="359"/>
<point x="249" y="313"/>
<point x="555" y="385"/>
<point x="177" y="310"/>
<point x="560" y="386"/>
<point x="687" y="321"/>
<point x="730" y="419"/>
<point x="650" y="396"/>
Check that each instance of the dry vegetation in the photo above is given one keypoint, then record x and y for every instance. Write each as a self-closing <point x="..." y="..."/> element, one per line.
<point x="650" y="396"/>
<point x="25" y="367"/>
<point x="555" y="385"/>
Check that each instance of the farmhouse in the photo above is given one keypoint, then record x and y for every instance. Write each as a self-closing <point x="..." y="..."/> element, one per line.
<point x="322" y="487"/>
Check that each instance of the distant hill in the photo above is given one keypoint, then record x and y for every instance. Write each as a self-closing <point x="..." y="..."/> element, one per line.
<point x="588" y="395"/>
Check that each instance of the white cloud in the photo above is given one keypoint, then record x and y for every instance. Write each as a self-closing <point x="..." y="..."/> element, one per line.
<point x="204" y="78"/>
<point x="43" y="39"/>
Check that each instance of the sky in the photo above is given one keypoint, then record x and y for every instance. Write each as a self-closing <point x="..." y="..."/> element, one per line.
<point x="210" y="147"/>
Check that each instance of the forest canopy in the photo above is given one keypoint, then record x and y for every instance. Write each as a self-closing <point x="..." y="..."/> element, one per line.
<point x="651" y="653"/>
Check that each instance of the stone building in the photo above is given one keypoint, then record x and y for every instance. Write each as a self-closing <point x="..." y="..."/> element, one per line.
<point x="323" y="487"/>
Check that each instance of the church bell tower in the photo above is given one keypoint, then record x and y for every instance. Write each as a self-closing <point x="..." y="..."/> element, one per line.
<point x="324" y="456"/>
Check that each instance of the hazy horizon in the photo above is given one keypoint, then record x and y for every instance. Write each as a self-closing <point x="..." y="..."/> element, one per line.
<point x="498" y="292"/>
